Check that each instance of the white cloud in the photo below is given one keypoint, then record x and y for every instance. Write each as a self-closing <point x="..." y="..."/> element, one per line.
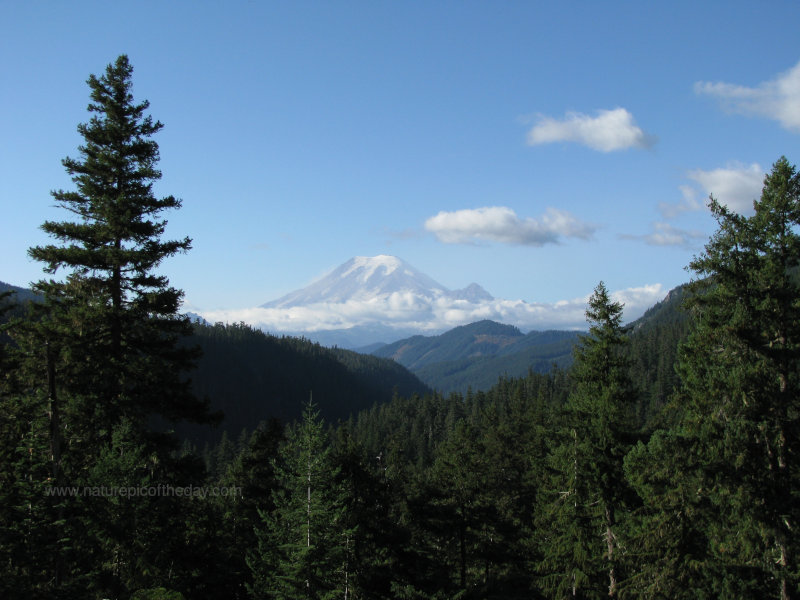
<point x="664" y="234"/>
<point x="735" y="186"/>
<point x="777" y="99"/>
<point x="501" y="224"/>
<point x="610" y="130"/>
<point x="405" y="311"/>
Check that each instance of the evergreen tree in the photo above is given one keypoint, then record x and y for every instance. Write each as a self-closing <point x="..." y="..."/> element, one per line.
<point x="122" y="311"/>
<point x="584" y="545"/>
<point x="478" y="513"/>
<point x="30" y="551"/>
<point x="669" y="543"/>
<point x="101" y="368"/>
<point x="303" y="544"/>
<point x="741" y="391"/>
<point x="456" y="511"/>
<point x="379" y="543"/>
<point x="252" y="477"/>
<point x="225" y="454"/>
<point x="514" y="456"/>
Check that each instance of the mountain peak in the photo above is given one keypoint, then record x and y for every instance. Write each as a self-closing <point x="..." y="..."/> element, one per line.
<point x="367" y="266"/>
<point x="383" y="298"/>
<point x="473" y="293"/>
<point x="381" y="260"/>
<point x="364" y="278"/>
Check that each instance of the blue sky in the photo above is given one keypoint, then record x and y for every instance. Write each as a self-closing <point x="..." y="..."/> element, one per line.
<point x="534" y="148"/>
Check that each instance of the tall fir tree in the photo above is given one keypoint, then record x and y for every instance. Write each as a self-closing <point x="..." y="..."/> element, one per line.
<point x="124" y="311"/>
<point x="252" y="477"/>
<point x="583" y="549"/>
<point x="102" y="365"/>
<point x="478" y="513"/>
<point x="741" y="391"/>
<point x="303" y="543"/>
<point x="457" y="511"/>
<point x="376" y="546"/>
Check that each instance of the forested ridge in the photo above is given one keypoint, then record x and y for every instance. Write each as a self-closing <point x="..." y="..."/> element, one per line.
<point x="663" y="463"/>
<point x="475" y="355"/>
<point x="251" y="376"/>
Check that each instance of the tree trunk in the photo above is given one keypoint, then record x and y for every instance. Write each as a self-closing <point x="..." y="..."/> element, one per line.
<point x="612" y="577"/>
<point x="785" y="595"/>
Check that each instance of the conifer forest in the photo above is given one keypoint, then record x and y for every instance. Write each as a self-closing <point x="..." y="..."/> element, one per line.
<point x="663" y="462"/>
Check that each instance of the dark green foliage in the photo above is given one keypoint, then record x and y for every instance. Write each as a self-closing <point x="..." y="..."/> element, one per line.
<point x="304" y="543"/>
<point x="119" y="309"/>
<point x="379" y="548"/>
<point x="7" y="304"/>
<point x="653" y="349"/>
<point x="98" y="362"/>
<point x="144" y="541"/>
<point x="252" y="476"/>
<point x="16" y="296"/>
<point x="462" y="473"/>
<point x="414" y="427"/>
<point x="157" y="594"/>
<point x="741" y="388"/>
<point x="587" y="500"/>
<point x="720" y="488"/>
<point x="251" y="377"/>
<point x="478" y="508"/>
<point x="668" y="534"/>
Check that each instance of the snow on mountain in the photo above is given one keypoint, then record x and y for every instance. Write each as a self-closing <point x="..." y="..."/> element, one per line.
<point x="383" y="299"/>
<point x="364" y="278"/>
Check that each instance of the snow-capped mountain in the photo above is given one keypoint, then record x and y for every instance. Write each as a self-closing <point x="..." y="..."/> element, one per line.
<point x="384" y="299"/>
<point x="374" y="277"/>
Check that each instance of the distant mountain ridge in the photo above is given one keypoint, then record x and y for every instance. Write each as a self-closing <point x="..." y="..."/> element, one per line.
<point x="474" y="356"/>
<point x="20" y="294"/>
<point x="467" y="341"/>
